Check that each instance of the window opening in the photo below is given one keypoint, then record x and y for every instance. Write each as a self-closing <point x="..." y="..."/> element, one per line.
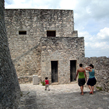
<point x="51" y="33"/>
<point x="22" y="32"/>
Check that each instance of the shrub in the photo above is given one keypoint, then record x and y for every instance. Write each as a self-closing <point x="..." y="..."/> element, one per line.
<point x="43" y="83"/>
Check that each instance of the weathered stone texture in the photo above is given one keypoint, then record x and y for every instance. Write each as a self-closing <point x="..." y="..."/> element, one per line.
<point x="24" y="48"/>
<point x="36" y="23"/>
<point x="101" y="66"/>
<point x="25" y="79"/>
<point x="33" y="52"/>
<point x="62" y="50"/>
<point x="9" y="87"/>
<point x="28" y="64"/>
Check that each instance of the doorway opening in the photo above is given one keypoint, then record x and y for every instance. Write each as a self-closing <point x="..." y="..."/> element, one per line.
<point x="54" y="71"/>
<point x="72" y="70"/>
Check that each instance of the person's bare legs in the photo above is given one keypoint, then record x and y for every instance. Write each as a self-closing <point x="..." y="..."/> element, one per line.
<point x="81" y="87"/>
<point x="45" y="87"/>
<point x="92" y="89"/>
<point x="48" y="88"/>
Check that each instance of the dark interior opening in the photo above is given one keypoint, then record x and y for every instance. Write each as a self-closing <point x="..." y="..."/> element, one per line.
<point x="72" y="70"/>
<point x="54" y="71"/>
<point x="22" y="32"/>
<point x="51" y="33"/>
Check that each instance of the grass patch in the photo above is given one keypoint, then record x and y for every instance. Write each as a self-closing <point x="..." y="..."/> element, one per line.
<point x="99" y="88"/>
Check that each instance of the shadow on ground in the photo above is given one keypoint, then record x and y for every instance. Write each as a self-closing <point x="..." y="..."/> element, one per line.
<point x="28" y="100"/>
<point x="61" y="97"/>
<point x="99" y="100"/>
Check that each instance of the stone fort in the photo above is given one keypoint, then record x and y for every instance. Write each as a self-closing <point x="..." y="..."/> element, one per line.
<point x="43" y="42"/>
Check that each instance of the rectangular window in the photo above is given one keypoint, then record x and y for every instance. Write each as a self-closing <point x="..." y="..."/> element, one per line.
<point x="51" y="33"/>
<point x="22" y="32"/>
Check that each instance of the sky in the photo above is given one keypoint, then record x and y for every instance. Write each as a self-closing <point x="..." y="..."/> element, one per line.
<point x="91" y="20"/>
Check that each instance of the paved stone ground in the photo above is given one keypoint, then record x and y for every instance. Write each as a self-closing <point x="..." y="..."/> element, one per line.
<point x="65" y="96"/>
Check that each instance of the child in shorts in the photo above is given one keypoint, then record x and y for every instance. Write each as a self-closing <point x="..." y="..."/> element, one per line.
<point x="47" y="84"/>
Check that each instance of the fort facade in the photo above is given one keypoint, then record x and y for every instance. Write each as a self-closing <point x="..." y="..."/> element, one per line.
<point x="43" y="42"/>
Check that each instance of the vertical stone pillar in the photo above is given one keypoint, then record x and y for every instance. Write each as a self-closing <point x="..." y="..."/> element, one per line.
<point x="9" y="86"/>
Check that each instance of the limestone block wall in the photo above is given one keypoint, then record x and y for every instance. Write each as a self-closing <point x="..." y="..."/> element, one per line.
<point x="75" y="33"/>
<point x="63" y="50"/>
<point x="28" y="63"/>
<point x="25" y="79"/>
<point x="101" y="65"/>
<point x="9" y="86"/>
<point x="36" y="22"/>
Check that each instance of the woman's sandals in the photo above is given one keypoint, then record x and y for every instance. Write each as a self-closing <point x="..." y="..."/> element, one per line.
<point x="91" y="92"/>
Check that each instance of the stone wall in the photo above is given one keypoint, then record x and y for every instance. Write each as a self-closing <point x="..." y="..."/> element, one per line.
<point x="62" y="50"/>
<point x="31" y="56"/>
<point x="28" y="63"/>
<point x="9" y="86"/>
<point x="25" y="79"/>
<point x="101" y="65"/>
<point x="24" y="49"/>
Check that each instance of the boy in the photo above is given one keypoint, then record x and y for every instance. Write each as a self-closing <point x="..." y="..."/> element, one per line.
<point x="47" y="84"/>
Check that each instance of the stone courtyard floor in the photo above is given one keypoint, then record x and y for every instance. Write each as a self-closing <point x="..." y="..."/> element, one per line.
<point x="65" y="96"/>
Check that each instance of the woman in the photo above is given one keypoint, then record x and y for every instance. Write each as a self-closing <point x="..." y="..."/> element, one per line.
<point x="82" y="77"/>
<point x="91" y="81"/>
